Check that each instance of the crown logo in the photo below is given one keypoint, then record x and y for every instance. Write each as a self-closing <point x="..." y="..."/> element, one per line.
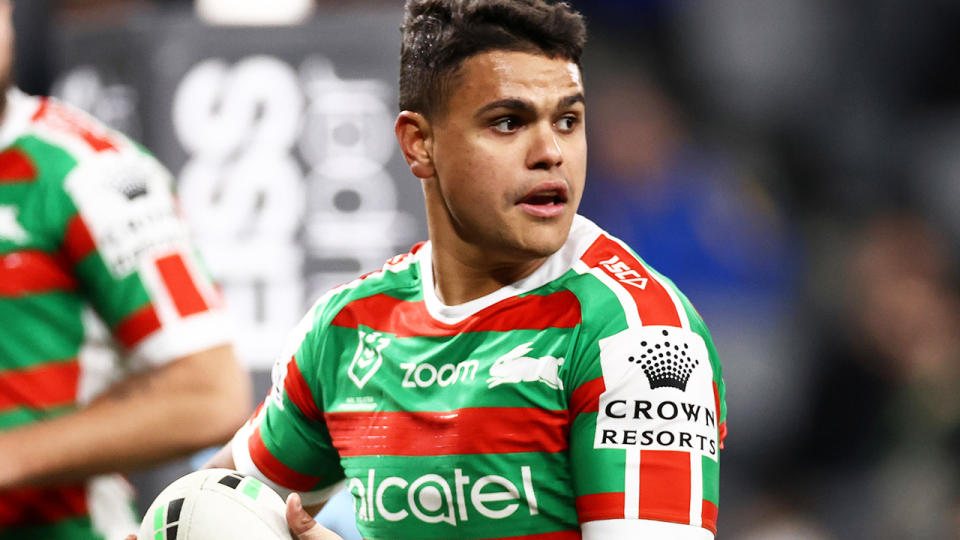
<point x="134" y="189"/>
<point x="666" y="362"/>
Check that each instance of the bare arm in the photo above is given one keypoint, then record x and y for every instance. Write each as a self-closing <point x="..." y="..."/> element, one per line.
<point x="173" y="410"/>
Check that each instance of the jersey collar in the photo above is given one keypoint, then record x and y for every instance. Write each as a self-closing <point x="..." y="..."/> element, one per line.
<point x="582" y="234"/>
<point x="20" y="109"/>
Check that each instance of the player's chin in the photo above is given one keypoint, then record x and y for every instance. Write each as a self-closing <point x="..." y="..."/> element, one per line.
<point x="543" y="242"/>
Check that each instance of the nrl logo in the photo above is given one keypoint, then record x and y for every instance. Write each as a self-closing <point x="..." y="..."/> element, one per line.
<point x="514" y="367"/>
<point x="367" y="359"/>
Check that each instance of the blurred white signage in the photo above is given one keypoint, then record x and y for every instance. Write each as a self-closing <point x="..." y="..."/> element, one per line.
<point x="254" y="12"/>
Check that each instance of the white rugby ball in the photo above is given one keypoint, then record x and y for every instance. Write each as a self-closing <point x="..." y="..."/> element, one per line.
<point x="215" y="504"/>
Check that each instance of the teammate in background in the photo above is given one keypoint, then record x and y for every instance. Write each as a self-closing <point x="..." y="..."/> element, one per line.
<point x="522" y="374"/>
<point x="88" y="220"/>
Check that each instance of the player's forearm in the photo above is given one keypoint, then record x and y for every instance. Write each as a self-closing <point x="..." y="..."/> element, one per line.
<point x="189" y="404"/>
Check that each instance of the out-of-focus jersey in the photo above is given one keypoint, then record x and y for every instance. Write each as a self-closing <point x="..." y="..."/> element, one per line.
<point x="92" y="251"/>
<point x="588" y="391"/>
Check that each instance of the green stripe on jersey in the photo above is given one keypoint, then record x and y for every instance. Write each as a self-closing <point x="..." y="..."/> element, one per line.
<point x="40" y="327"/>
<point x="14" y="192"/>
<point x="113" y="299"/>
<point x="80" y="528"/>
<point x="395" y="493"/>
<point x="711" y="480"/>
<point x="587" y="480"/>
<point x="434" y="367"/>
<point x="51" y="161"/>
<point x="20" y="416"/>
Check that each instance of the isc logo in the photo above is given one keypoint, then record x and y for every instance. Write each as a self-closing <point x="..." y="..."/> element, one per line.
<point x="624" y="273"/>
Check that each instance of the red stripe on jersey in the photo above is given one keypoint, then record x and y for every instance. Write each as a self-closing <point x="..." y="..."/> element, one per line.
<point x="276" y="471"/>
<point x="586" y="398"/>
<point x="599" y="506"/>
<point x="299" y="391"/>
<point x="41" y="110"/>
<point x="73" y="122"/>
<point x="665" y="485"/>
<point x="136" y="326"/>
<point x="15" y="166"/>
<point x="709" y="516"/>
<point x="31" y="506"/>
<point x="559" y="535"/>
<point x="186" y="297"/>
<point x="48" y="385"/>
<point x="77" y="241"/>
<point x="32" y="272"/>
<point x="408" y="319"/>
<point x="654" y="303"/>
<point x="486" y="430"/>
<point x="722" y="432"/>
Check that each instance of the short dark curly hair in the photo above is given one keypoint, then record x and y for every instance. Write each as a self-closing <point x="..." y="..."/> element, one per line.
<point x="439" y="35"/>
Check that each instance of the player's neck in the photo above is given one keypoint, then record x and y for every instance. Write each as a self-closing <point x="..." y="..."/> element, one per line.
<point x="464" y="271"/>
<point x="459" y="276"/>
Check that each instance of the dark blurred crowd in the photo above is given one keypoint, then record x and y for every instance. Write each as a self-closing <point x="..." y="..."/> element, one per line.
<point x="794" y="166"/>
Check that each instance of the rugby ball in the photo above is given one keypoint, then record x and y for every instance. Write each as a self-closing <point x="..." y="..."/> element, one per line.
<point x="215" y="504"/>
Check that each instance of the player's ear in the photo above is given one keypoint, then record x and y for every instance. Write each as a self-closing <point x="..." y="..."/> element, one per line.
<point x="416" y="142"/>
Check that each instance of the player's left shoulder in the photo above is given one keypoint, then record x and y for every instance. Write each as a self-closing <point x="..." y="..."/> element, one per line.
<point x="642" y="295"/>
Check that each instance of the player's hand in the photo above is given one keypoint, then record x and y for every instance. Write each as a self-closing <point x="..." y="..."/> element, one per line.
<point x="302" y="523"/>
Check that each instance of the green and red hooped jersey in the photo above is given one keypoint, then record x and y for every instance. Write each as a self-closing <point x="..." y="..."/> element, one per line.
<point x="88" y="224"/>
<point x="588" y="391"/>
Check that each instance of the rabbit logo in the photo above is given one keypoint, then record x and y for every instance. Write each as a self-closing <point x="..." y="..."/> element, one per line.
<point x="515" y="367"/>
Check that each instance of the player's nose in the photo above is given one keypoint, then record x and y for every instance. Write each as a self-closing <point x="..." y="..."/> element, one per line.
<point x="544" y="152"/>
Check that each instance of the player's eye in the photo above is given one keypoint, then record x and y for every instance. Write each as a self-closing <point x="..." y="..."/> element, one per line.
<point x="567" y="123"/>
<point x="507" y="124"/>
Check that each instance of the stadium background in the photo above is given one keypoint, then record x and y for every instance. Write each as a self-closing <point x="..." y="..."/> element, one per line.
<point x="794" y="166"/>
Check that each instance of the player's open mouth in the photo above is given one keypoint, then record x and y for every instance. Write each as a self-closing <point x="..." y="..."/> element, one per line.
<point x="546" y="200"/>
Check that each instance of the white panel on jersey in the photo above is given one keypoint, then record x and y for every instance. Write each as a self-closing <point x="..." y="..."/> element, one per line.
<point x="191" y="335"/>
<point x="631" y="484"/>
<point x="642" y="529"/>
<point x="659" y="392"/>
<point x="126" y="202"/>
<point x="696" y="490"/>
<point x="109" y="499"/>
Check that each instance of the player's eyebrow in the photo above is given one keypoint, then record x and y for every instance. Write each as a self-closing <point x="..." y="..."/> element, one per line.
<point x="569" y="101"/>
<point x="521" y="105"/>
<point x="515" y="104"/>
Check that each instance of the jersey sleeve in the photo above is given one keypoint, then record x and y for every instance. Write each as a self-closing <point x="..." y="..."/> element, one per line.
<point x="286" y="442"/>
<point x="115" y="221"/>
<point x="646" y="399"/>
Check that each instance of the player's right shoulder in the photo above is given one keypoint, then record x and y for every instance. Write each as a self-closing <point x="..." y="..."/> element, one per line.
<point x="397" y="278"/>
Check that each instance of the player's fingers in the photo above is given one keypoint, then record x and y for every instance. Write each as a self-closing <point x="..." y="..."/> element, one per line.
<point x="302" y="523"/>
<point x="131" y="537"/>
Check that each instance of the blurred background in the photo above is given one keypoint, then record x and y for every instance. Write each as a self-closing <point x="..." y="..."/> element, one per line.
<point x="793" y="165"/>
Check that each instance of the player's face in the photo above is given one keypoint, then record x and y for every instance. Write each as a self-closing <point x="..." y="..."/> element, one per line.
<point x="510" y="154"/>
